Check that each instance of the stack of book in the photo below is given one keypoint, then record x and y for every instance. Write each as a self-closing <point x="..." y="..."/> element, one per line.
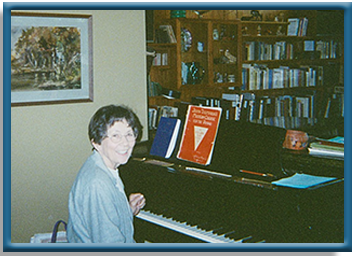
<point x="329" y="49"/>
<point x="257" y="50"/>
<point x="283" y="50"/>
<point x="297" y="27"/>
<point x="161" y="59"/>
<point x="261" y="77"/>
<point x="156" y="112"/>
<point x="328" y="148"/>
<point x="251" y="107"/>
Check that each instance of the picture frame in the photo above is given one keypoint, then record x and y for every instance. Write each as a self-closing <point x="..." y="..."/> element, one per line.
<point x="51" y="58"/>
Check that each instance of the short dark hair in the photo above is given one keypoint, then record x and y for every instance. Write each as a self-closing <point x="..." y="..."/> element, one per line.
<point x="106" y="116"/>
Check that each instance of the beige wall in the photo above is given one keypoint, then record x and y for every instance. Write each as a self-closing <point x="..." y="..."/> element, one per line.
<point x="49" y="143"/>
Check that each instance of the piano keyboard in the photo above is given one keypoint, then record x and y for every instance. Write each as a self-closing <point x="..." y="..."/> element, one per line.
<point x="184" y="228"/>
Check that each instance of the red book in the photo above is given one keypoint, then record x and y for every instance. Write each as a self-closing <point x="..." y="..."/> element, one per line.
<point x="200" y="129"/>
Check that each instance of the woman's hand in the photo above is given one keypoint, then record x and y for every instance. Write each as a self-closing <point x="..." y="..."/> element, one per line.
<point x="137" y="202"/>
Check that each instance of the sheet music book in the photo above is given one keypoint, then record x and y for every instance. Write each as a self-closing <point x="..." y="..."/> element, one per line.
<point x="166" y="137"/>
<point x="199" y="134"/>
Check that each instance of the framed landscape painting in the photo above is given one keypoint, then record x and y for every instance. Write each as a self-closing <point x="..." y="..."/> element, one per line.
<point x="51" y="58"/>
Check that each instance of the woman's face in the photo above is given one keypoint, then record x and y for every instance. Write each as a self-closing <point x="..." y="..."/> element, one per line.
<point x="117" y="146"/>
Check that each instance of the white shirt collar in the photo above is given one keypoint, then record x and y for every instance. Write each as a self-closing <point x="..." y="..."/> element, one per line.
<point x="119" y="183"/>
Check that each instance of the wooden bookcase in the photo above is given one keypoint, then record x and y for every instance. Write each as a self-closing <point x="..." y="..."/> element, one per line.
<point x="226" y="56"/>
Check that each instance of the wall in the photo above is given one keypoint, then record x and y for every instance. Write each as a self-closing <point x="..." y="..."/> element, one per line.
<point x="49" y="143"/>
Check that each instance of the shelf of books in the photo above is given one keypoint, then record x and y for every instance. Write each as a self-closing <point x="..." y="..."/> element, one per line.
<point x="274" y="69"/>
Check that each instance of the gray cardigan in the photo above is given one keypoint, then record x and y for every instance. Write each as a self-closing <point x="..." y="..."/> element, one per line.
<point x="99" y="211"/>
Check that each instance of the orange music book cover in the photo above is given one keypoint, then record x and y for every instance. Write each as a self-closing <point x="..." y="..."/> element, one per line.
<point x="199" y="134"/>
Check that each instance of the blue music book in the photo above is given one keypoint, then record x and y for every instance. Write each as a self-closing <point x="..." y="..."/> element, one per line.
<point x="166" y="136"/>
<point x="302" y="181"/>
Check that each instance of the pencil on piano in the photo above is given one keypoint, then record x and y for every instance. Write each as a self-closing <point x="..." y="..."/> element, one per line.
<point x="257" y="173"/>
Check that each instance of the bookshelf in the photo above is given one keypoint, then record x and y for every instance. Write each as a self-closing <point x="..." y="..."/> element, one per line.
<point x="297" y="73"/>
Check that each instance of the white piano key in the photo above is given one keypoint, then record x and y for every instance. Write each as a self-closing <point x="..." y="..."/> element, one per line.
<point x="183" y="227"/>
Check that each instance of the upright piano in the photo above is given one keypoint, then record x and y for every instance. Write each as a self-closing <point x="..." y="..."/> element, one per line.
<point x="189" y="203"/>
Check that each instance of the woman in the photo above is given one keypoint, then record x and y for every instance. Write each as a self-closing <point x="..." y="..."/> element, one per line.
<point x="99" y="211"/>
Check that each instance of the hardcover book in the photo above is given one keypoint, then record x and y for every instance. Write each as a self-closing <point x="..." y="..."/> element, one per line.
<point x="166" y="136"/>
<point x="328" y="148"/>
<point x="199" y="134"/>
<point x="293" y="27"/>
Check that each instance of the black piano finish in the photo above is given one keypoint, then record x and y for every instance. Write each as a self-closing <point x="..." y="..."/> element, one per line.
<point x="242" y="205"/>
<point x="276" y="215"/>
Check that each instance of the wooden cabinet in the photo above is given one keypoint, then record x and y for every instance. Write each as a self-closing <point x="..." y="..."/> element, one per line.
<point x="215" y="56"/>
